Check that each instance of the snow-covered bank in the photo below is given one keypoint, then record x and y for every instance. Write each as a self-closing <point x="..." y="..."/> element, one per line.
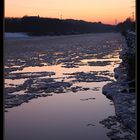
<point x="122" y="91"/>
<point x="8" y="35"/>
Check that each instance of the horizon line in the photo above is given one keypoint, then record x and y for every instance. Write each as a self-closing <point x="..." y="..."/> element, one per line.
<point x="63" y="19"/>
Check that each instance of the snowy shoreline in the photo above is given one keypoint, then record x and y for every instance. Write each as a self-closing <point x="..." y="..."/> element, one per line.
<point x="120" y="92"/>
<point x="8" y="35"/>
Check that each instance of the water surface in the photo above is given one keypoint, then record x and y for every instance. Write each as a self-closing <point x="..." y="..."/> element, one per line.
<point x="66" y="116"/>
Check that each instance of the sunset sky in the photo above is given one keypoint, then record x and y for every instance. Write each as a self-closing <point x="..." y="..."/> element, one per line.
<point x="105" y="11"/>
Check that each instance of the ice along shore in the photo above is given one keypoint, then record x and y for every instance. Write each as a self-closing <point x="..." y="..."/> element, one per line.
<point x="122" y="91"/>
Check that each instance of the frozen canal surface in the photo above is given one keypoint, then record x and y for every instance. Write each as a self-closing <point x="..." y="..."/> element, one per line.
<point x="85" y="61"/>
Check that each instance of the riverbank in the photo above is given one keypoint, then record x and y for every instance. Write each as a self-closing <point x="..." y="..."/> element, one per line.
<point x="122" y="91"/>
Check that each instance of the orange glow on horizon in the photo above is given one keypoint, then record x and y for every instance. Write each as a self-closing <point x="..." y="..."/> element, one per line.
<point x="106" y="11"/>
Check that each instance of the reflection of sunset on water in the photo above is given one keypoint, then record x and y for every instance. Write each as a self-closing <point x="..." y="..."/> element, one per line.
<point x="54" y="91"/>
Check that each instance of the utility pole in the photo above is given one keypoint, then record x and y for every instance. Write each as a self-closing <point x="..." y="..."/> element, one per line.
<point x="61" y="16"/>
<point x="133" y="16"/>
<point x="115" y="21"/>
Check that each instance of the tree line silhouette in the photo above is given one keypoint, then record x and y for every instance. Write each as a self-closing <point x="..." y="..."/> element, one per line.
<point x="35" y="25"/>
